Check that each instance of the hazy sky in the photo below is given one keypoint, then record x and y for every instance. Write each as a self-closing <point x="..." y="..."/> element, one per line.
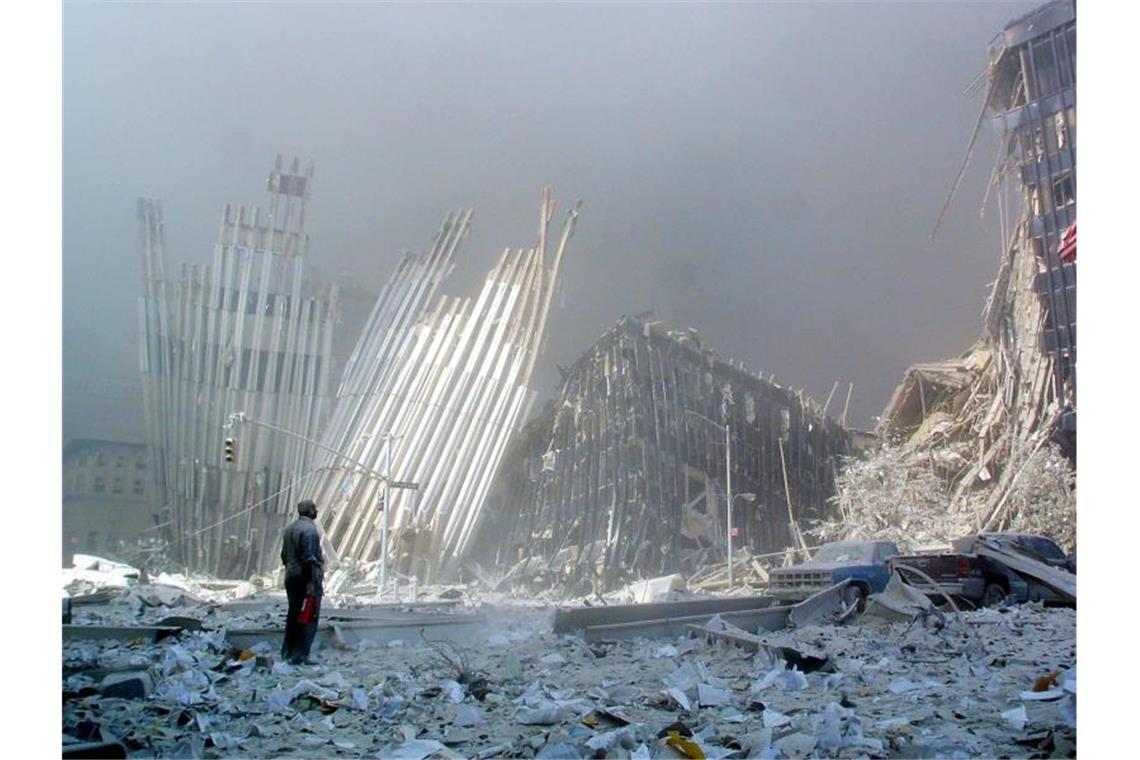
<point x="765" y="173"/>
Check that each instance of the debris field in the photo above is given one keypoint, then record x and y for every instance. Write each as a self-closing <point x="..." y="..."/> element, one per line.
<point x="984" y="683"/>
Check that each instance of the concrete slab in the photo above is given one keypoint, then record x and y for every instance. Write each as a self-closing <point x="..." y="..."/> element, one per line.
<point x="770" y="619"/>
<point x="577" y="619"/>
<point x="458" y="628"/>
<point x="127" y="685"/>
<point x="819" y="608"/>
<point x="151" y="633"/>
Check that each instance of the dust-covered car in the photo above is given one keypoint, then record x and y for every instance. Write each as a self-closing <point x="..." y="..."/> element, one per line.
<point x="864" y="562"/>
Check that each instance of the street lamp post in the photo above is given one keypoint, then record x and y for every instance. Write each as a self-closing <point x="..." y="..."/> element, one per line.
<point x="727" y="483"/>
<point x="388" y="438"/>
<point x="240" y="417"/>
<point x="728" y="497"/>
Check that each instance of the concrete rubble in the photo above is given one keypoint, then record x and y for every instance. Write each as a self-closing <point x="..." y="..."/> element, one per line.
<point x="607" y="600"/>
<point x="973" y="684"/>
<point x="986" y="441"/>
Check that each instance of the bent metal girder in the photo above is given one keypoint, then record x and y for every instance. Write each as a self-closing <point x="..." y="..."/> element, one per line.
<point x="444" y="382"/>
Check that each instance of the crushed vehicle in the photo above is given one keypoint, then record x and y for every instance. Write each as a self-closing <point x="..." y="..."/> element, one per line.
<point x="864" y="562"/>
<point x="984" y="580"/>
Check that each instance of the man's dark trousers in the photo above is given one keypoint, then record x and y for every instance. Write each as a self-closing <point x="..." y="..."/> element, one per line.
<point x="298" y="636"/>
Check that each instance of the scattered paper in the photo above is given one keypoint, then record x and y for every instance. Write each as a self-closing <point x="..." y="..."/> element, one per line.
<point x="774" y="719"/>
<point x="1016" y="717"/>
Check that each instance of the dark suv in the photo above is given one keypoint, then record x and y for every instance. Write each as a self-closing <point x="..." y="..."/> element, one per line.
<point x="983" y="580"/>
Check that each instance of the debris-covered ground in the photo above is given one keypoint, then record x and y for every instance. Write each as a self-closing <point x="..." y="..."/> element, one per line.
<point x="990" y="683"/>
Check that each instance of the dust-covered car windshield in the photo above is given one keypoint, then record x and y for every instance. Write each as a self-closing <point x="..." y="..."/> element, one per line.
<point x="851" y="553"/>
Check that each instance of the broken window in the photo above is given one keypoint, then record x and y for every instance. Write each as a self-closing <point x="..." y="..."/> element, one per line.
<point x="1045" y="66"/>
<point x="1018" y="99"/>
<point x="1065" y="60"/>
<point x="1071" y="39"/>
<point x="1050" y="136"/>
<point x="1034" y="200"/>
<point x="1025" y="144"/>
<point x="1059" y="130"/>
<point x="1064" y="193"/>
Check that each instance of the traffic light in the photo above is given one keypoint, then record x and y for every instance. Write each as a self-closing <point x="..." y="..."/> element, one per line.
<point x="230" y="451"/>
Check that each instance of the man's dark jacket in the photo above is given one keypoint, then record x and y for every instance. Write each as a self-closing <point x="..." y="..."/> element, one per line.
<point x="300" y="551"/>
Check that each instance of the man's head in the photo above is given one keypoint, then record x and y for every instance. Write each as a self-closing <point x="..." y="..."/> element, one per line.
<point x="307" y="508"/>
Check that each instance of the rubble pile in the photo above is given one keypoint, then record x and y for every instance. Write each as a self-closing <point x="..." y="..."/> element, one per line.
<point x="889" y="497"/>
<point x="997" y="425"/>
<point x="94" y="579"/>
<point x="971" y="441"/>
<point x="978" y="684"/>
<point x="1044" y="500"/>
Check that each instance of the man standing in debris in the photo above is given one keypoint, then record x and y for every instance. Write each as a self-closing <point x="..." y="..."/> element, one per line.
<point x="304" y="571"/>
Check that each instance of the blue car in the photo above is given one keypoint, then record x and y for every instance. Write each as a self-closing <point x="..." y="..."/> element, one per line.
<point x="863" y="561"/>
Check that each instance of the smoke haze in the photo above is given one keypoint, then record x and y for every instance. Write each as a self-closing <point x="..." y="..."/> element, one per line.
<point x="765" y="173"/>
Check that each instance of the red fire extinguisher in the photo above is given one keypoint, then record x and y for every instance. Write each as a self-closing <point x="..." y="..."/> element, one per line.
<point x="305" y="616"/>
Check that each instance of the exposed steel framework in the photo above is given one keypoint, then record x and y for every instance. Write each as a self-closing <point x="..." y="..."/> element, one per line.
<point x="246" y="333"/>
<point x="1033" y="97"/>
<point x="625" y="473"/>
<point x="430" y="396"/>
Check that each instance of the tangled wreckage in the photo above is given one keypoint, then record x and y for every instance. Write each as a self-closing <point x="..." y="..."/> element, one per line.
<point x="426" y="457"/>
<point x="657" y="471"/>
<point x="409" y="458"/>
<point x="627" y="470"/>
<point x="185" y="666"/>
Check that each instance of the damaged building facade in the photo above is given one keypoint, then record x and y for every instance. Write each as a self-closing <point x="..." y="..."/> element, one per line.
<point x="1033" y="96"/>
<point x="237" y="362"/>
<point x="997" y="425"/>
<point x="624" y="474"/>
<point x="247" y="333"/>
<point x="430" y="397"/>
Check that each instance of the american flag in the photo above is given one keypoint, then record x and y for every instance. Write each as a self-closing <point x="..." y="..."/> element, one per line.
<point x="1067" y="250"/>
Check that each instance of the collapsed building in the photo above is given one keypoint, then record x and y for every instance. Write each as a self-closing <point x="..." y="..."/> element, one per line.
<point x="245" y="333"/>
<point x="1033" y="96"/>
<point x="625" y="473"/>
<point x="987" y="423"/>
<point x="429" y="399"/>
